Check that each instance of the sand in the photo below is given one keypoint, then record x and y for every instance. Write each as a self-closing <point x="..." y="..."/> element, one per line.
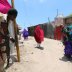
<point x="51" y="59"/>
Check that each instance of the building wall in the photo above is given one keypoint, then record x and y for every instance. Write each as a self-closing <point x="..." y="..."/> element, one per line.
<point x="59" y="21"/>
<point x="67" y="21"/>
<point x="31" y="30"/>
<point x="47" y="28"/>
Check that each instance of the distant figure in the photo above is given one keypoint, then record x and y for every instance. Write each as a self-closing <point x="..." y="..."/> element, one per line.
<point x="38" y="35"/>
<point x="58" y="32"/>
<point x="25" y="34"/>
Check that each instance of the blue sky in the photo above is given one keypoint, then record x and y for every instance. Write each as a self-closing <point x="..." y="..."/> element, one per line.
<point x="32" y="12"/>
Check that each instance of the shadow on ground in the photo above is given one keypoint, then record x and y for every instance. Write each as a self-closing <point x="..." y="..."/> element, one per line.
<point x="13" y="59"/>
<point x="65" y="59"/>
<point x="41" y="48"/>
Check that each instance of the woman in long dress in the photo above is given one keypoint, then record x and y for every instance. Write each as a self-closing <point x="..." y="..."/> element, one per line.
<point x="25" y="34"/>
<point x="38" y="35"/>
<point x="67" y="42"/>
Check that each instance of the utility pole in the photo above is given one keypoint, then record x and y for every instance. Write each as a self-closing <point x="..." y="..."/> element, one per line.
<point x="48" y="20"/>
<point x="57" y="12"/>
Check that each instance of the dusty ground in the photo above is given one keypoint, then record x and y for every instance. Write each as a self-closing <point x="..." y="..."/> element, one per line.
<point x="51" y="59"/>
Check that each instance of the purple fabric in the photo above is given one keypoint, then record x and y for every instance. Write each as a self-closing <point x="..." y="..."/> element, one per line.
<point x="4" y="6"/>
<point x="68" y="47"/>
<point x="25" y="33"/>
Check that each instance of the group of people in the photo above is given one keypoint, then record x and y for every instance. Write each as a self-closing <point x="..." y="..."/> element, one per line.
<point x="38" y="35"/>
<point x="66" y="39"/>
<point x="7" y="36"/>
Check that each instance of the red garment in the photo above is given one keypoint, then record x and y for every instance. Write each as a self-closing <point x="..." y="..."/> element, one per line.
<point x="58" y="33"/>
<point x="0" y="39"/>
<point x="38" y="34"/>
<point x="4" y="27"/>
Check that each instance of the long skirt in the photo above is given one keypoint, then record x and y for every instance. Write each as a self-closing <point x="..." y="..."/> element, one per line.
<point x="68" y="47"/>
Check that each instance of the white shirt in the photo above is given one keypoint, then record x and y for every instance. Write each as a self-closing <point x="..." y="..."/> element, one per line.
<point x="11" y="34"/>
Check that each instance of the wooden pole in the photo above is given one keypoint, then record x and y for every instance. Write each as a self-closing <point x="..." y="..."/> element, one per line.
<point x="16" y="38"/>
<point x="12" y="3"/>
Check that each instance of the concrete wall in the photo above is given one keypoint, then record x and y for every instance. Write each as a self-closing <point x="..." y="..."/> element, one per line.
<point x="47" y="28"/>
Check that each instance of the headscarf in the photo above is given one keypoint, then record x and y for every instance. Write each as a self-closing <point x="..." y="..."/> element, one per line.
<point x="13" y="12"/>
